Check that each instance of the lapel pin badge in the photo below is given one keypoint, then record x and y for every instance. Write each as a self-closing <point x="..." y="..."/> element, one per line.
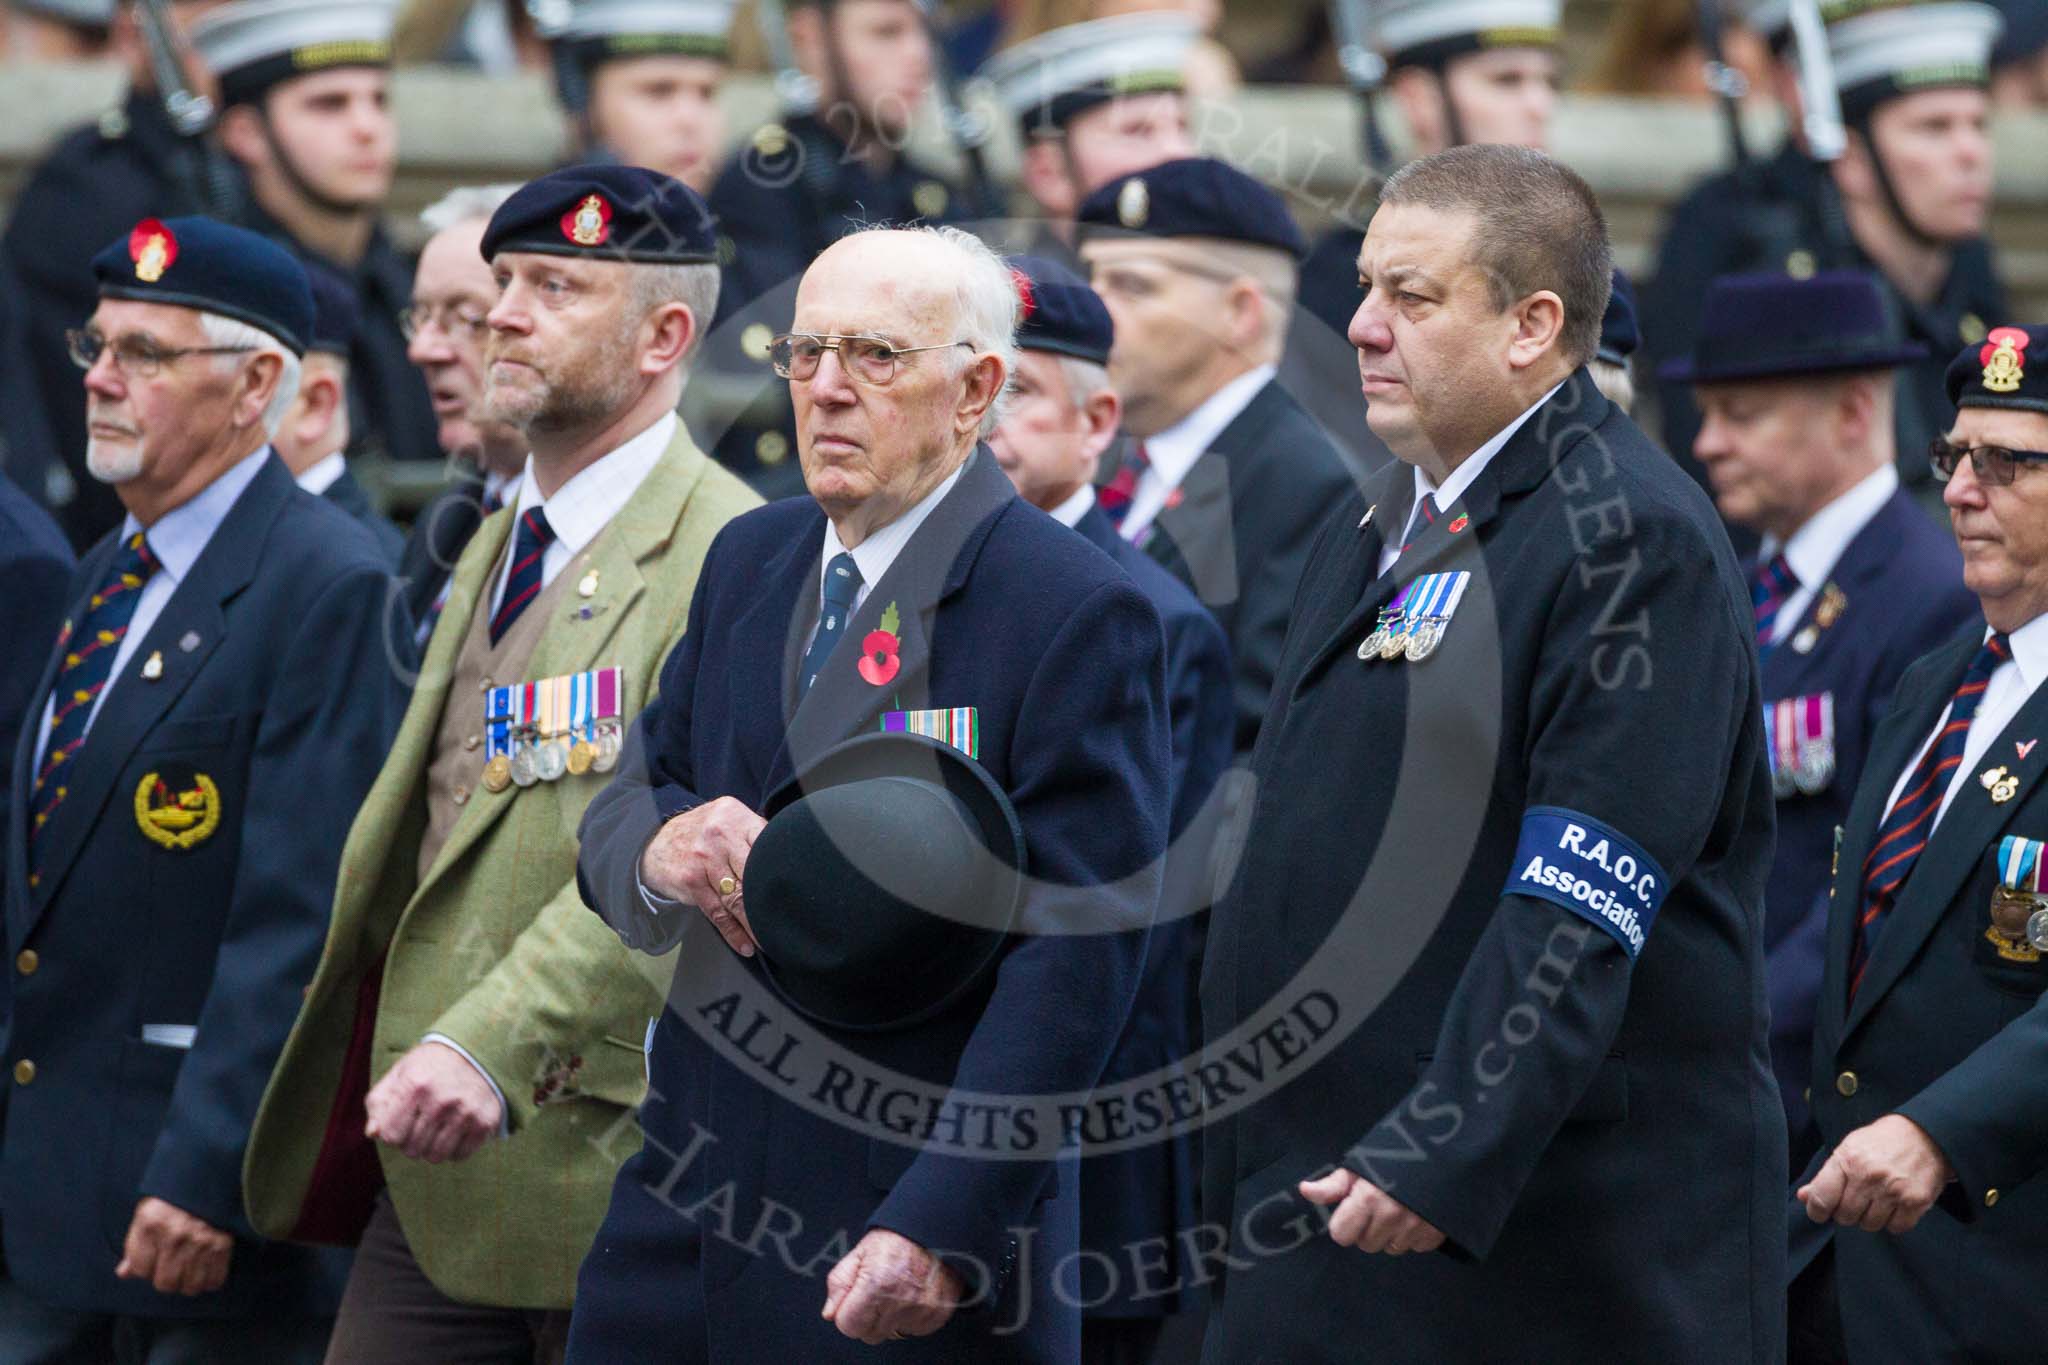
<point x="1806" y="639"/>
<point x="2002" y="785"/>
<point x="2025" y="746"/>
<point x="154" y="668"/>
<point x="189" y="641"/>
<point x="587" y="587"/>
<point x="1459" y="524"/>
<point x="1366" y="520"/>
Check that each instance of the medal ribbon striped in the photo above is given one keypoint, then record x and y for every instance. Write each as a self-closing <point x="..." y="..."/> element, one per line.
<point x="2019" y="864"/>
<point x="608" y="689"/>
<point x="959" y="726"/>
<point x="581" y="686"/>
<point x="497" y="723"/>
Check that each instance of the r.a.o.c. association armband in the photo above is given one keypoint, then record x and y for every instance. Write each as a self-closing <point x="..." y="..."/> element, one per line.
<point x="1592" y="870"/>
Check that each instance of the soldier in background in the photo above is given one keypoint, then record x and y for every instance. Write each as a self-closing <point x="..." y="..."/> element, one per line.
<point x="305" y="87"/>
<point x="803" y="183"/>
<point x="639" y="81"/>
<point x="1908" y="200"/>
<point x="1093" y="102"/>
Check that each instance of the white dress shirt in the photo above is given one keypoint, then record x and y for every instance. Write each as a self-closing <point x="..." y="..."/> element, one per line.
<point x="1454" y="486"/>
<point x="321" y="474"/>
<point x="177" y="540"/>
<point x="1170" y="454"/>
<point x="2012" y="682"/>
<point x="1816" y="547"/>
<point x="586" y="504"/>
<point x="1070" y="512"/>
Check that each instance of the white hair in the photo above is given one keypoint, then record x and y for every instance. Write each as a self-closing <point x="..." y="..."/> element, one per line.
<point x="1084" y="379"/>
<point x="463" y="203"/>
<point x="984" y="302"/>
<point x="1614" y="381"/>
<point x="226" y="331"/>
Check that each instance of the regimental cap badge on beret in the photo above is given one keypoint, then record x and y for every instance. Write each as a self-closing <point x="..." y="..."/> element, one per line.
<point x="589" y="223"/>
<point x="1133" y="203"/>
<point x="2004" y="357"/>
<point x="153" y="249"/>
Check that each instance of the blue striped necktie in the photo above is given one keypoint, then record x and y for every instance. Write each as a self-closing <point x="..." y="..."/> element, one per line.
<point x="88" y="662"/>
<point x="523" y="584"/>
<point x="1906" y="828"/>
<point x="842" y="585"/>
<point x="1773" y="584"/>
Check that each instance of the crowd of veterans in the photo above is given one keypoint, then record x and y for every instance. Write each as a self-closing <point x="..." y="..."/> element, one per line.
<point x="1168" y="791"/>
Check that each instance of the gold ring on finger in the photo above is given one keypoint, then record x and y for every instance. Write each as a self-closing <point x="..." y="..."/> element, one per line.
<point x="728" y="884"/>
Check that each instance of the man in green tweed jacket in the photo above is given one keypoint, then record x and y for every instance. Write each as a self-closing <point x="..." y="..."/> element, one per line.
<point x="457" y="1093"/>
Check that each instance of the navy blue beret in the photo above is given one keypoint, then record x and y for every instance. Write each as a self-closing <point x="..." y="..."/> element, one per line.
<point x="200" y="263"/>
<point x="1772" y="326"/>
<point x="1060" y="312"/>
<point x="1197" y="196"/>
<point x="1620" y="337"/>
<point x="2009" y="369"/>
<point x="605" y="213"/>
<point x="335" y="314"/>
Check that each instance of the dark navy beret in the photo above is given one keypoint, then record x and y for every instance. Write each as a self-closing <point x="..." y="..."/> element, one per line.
<point x="2008" y="370"/>
<point x="335" y="314"/>
<point x="200" y="263"/>
<point x="1771" y="326"/>
<point x="1620" y="337"/>
<point x="605" y="213"/>
<point x="1197" y="196"/>
<point x="1059" y="311"/>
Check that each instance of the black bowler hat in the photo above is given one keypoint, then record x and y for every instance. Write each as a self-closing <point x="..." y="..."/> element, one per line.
<point x="885" y="881"/>
<point x="200" y="263"/>
<point x="1620" y="337"/>
<point x="605" y="213"/>
<point x="2008" y="370"/>
<point x="335" y="314"/>
<point x="1196" y="196"/>
<point x="1058" y="311"/>
<point x="1774" y="326"/>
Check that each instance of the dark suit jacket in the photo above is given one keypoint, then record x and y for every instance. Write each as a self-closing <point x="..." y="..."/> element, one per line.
<point x="1001" y="610"/>
<point x="349" y="496"/>
<point x="36" y="565"/>
<point x="1950" y="1034"/>
<point x="1596" y="1134"/>
<point x="1903" y="582"/>
<point x="284" y="702"/>
<point x="1241" y="529"/>
<point x="1145" y="1194"/>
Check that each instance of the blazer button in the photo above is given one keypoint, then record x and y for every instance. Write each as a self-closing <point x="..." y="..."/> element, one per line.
<point x="460" y="795"/>
<point x="1990" y="1198"/>
<point x="1845" y="1084"/>
<point x="27" y="963"/>
<point x="24" y="1071"/>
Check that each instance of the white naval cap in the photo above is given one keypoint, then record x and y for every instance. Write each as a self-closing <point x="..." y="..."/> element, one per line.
<point x="251" y="45"/>
<point x="600" y="29"/>
<point x="1424" y="32"/>
<point x="1044" y="81"/>
<point x="1883" y="50"/>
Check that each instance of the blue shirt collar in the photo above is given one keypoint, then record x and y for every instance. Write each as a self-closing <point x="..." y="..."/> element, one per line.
<point x="181" y="534"/>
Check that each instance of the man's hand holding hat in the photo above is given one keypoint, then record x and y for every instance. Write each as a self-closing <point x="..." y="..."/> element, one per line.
<point x="700" y="857"/>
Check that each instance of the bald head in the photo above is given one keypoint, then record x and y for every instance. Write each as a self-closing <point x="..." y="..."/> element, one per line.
<point x="879" y="425"/>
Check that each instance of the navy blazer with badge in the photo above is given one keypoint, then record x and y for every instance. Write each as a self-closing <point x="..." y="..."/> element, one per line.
<point x="1948" y="1031"/>
<point x="1239" y="529"/>
<point x="1900" y="582"/>
<point x="1594" y="1130"/>
<point x="1000" y="609"/>
<point x="284" y="701"/>
<point x="1148" y="1193"/>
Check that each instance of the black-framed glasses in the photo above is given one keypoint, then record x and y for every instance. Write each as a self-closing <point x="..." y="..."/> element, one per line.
<point x="138" y="357"/>
<point x="1993" y="465"/>
<point x="455" y="319"/>
<point x="872" y="360"/>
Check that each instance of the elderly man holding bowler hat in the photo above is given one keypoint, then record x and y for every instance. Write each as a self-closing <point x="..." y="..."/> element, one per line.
<point x="912" y="590"/>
